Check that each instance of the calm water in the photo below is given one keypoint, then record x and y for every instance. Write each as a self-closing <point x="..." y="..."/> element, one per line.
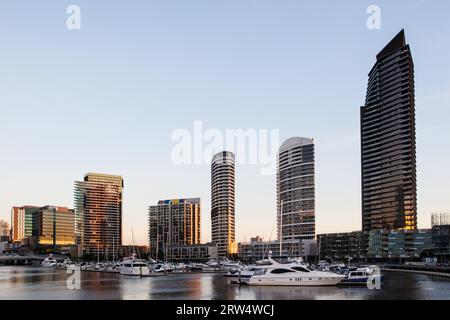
<point x="18" y="282"/>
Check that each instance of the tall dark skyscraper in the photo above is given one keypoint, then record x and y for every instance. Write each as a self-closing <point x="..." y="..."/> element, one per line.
<point x="388" y="141"/>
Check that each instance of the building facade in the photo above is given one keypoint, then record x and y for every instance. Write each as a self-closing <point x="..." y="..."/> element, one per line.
<point x="441" y="242"/>
<point x="257" y="249"/>
<point x="388" y="141"/>
<point x="98" y="214"/>
<point x="173" y="223"/>
<point x="296" y="190"/>
<point x="4" y="231"/>
<point x="385" y="244"/>
<point x="56" y="226"/>
<point x="378" y="244"/>
<point x="190" y="253"/>
<point x="341" y="246"/>
<point x="23" y="222"/>
<point x="223" y="203"/>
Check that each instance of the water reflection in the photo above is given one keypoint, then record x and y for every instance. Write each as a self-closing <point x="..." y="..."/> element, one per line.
<point x="18" y="282"/>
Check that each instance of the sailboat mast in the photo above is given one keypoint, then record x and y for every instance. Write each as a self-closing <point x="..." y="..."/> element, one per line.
<point x="113" y="250"/>
<point x="132" y="240"/>
<point x="281" y="227"/>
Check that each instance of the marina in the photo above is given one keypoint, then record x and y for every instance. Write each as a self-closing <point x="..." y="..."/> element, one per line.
<point x="27" y="282"/>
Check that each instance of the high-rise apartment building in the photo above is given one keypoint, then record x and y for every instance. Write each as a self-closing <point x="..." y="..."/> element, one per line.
<point x="296" y="190"/>
<point x="173" y="223"/>
<point x="388" y="141"/>
<point x="98" y="213"/>
<point x="223" y="203"/>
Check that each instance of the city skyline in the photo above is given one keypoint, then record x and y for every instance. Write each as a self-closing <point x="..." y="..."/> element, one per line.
<point x="258" y="64"/>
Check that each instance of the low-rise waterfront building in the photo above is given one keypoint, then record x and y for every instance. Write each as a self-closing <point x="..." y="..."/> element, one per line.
<point x="341" y="246"/>
<point x="385" y="244"/>
<point x="441" y="242"/>
<point x="4" y="246"/>
<point x="4" y="231"/>
<point x="257" y="249"/>
<point x="196" y="252"/>
<point x="375" y="244"/>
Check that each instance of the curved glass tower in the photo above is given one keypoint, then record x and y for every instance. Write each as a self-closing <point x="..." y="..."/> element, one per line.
<point x="222" y="203"/>
<point x="388" y="141"/>
<point x="296" y="190"/>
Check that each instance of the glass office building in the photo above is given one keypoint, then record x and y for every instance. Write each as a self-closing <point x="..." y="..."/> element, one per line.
<point x="98" y="214"/>
<point x="388" y="141"/>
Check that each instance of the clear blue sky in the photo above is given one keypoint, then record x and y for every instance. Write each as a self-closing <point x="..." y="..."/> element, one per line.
<point x="106" y="98"/>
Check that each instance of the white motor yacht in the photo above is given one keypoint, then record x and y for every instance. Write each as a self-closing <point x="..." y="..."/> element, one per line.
<point x="49" y="262"/>
<point x="181" y="266"/>
<point x="67" y="263"/>
<point x="241" y="276"/>
<point x="164" y="267"/>
<point x="292" y="274"/>
<point x="133" y="267"/>
<point x="212" y="263"/>
<point x="196" y="267"/>
<point x="229" y="265"/>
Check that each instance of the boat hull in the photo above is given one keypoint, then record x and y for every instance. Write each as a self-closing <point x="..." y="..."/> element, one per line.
<point x="239" y="280"/>
<point x="126" y="271"/>
<point x="360" y="280"/>
<point x="293" y="281"/>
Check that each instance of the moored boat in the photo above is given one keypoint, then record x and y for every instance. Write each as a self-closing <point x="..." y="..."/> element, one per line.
<point x="241" y="276"/>
<point x="361" y="276"/>
<point x="278" y="274"/>
<point x="133" y="267"/>
<point x="49" y="262"/>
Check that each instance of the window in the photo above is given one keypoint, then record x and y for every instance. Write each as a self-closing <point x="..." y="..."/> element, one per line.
<point x="301" y="269"/>
<point x="259" y="272"/>
<point x="281" y="271"/>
